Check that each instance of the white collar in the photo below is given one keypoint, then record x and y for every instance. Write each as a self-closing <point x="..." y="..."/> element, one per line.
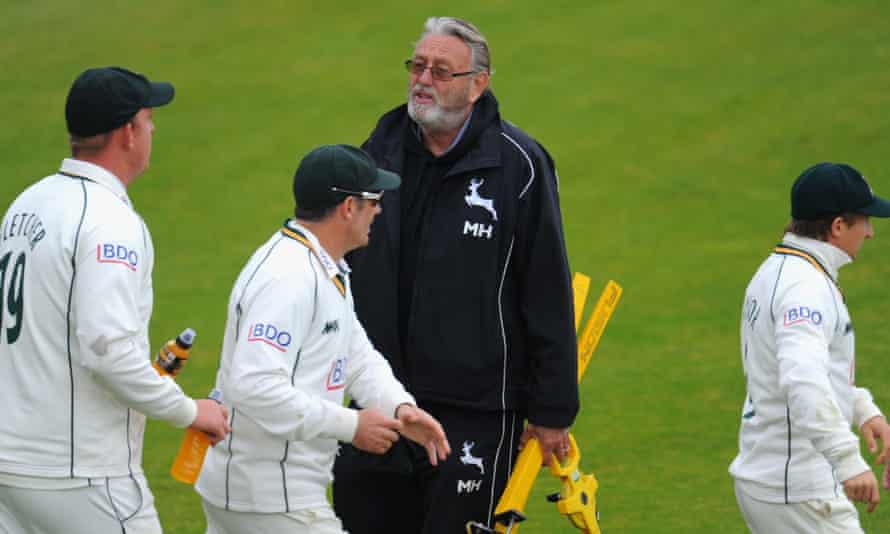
<point x="331" y="267"/>
<point x="95" y="173"/>
<point x="830" y="256"/>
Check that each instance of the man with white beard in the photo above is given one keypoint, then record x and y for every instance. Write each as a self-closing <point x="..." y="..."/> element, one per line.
<point x="465" y="287"/>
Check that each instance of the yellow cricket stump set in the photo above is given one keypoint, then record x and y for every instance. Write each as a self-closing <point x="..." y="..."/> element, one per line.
<point x="577" y="497"/>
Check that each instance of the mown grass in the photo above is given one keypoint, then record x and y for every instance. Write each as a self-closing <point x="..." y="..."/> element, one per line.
<point x="677" y="129"/>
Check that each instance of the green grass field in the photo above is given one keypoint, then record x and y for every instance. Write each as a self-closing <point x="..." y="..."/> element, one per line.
<point x="677" y="128"/>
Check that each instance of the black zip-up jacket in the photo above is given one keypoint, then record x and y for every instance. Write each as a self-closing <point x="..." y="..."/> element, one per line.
<point x="485" y="320"/>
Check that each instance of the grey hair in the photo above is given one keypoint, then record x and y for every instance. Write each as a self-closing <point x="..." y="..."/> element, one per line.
<point x="466" y="32"/>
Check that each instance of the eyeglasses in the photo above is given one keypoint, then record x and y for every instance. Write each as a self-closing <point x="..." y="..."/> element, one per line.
<point x="365" y="195"/>
<point x="416" y="67"/>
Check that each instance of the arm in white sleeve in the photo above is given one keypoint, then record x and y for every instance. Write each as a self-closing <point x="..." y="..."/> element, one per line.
<point x="259" y="374"/>
<point x="109" y="328"/>
<point x="802" y="351"/>
<point x="370" y="379"/>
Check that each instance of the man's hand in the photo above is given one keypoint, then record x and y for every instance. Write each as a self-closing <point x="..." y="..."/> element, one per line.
<point x="376" y="432"/>
<point x="863" y="488"/>
<point x="552" y="441"/>
<point x="875" y="429"/>
<point x="423" y="428"/>
<point x="212" y="419"/>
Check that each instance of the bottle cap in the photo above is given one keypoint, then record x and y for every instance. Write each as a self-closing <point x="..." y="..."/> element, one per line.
<point x="186" y="338"/>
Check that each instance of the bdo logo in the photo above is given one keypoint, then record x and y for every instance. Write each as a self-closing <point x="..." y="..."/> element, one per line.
<point x="112" y="253"/>
<point x="337" y="374"/>
<point x="802" y="314"/>
<point x="270" y="335"/>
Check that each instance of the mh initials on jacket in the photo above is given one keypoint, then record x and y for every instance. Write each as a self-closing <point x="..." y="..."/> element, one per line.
<point x="474" y="199"/>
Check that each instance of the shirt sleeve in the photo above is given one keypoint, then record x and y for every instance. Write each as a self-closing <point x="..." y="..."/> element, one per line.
<point x="802" y="341"/>
<point x="370" y="379"/>
<point x="109" y="303"/>
<point x="259" y="379"/>
<point x="864" y="407"/>
<point x="547" y="308"/>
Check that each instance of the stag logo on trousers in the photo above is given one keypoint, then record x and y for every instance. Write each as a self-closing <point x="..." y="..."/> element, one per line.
<point x="119" y="254"/>
<point x="270" y="335"/>
<point x="473" y="198"/>
<point x="468" y="459"/>
<point x="337" y="374"/>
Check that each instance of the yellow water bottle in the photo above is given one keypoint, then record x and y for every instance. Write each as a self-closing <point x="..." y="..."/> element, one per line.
<point x="174" y="353"/>
<point x="190" y="458"/>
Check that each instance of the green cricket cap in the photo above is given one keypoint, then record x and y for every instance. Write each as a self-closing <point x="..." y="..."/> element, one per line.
<point x="104" y="99"/>
<point x="330" y="173"/>
<point x="828" y="189"/>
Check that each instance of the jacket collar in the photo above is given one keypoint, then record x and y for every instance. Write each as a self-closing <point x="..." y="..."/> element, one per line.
<point x="89" y="171"/>
<point x="476" y="147"/>
<point x="829" y="256"/>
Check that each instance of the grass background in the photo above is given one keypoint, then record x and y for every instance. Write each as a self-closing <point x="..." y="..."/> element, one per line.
<point x="677" y="128"/>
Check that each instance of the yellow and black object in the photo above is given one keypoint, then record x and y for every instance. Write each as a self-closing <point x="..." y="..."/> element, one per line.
<point x="577" y="497"/>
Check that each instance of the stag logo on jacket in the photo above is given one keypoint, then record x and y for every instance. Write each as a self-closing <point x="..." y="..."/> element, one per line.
<point x="337" y="374"/>
<point x="119" y="254"/>
<point x="270" y="335"/>
<point x="802" y="314"/>
<point x="473" y="198"/>
<point x="468" y="459"/>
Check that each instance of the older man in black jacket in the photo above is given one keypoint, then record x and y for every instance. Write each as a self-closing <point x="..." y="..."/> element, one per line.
<point x="465" y="286"/>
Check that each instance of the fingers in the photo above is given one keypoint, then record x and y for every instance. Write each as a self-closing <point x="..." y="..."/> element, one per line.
<point x="376" y="432"/>
<point x="432" y="453"/>
<point x="546" y="454"/>
<point x="869" y="436"/>
<point x="874" y="498"/>
<point x="886" y="476"/>
<point x="885" y="446"/>
<point x="863" y="488"/>
<point x="524" y="437"/>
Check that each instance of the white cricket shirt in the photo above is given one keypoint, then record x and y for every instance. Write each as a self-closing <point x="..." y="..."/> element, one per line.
<point x="798" y="353"/>
<point x="75" y="370"/>
<point x="292" y="348"/>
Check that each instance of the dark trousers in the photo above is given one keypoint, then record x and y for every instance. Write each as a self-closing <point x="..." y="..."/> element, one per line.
<point x="401" y="493"/>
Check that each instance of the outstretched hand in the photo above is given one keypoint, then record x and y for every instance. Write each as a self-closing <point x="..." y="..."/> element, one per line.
<point x="423" y="428"/>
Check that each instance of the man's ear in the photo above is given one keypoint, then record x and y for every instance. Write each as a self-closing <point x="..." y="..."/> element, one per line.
<point x="479" y="85"/>
<point x="346" y="209"/>
<point x="126" y="136"/>
<point x="838" y="225"/>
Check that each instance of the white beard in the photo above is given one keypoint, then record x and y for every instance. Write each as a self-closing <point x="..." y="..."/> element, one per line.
<point x="434" y="117"/>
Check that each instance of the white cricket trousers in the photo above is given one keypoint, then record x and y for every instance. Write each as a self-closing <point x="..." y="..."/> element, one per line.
<point x="831" y="516"/>
<point x="106" y="506"/>
<point x="314" y="521"/>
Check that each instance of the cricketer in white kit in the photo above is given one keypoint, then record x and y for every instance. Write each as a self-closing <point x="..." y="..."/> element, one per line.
<point x="76" y="381"/>
<point x="799" y="463"/>
<point x="293" y="347"/>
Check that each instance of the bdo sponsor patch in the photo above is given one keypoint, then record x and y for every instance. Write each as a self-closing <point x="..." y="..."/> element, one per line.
<point x="802" y="314"/>
<point x="337" y="374"/>
<point x="119" y="254"/>
<point x="270" y="335"/>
